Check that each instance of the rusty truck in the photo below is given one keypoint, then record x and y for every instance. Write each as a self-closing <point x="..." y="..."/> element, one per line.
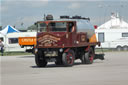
<point x="64" y="40"/>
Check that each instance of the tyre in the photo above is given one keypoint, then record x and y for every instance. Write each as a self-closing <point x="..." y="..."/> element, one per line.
<point x="88" y="57"/>
<point x="68" y="58"/>
<point x="118" y="48"/>
<point x="59" y="61"/>
<point x="125" y="48"/>
<point x="40" y="59"/>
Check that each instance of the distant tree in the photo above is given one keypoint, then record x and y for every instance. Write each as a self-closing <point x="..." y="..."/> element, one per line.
<point x="32" y="27"/>
<point x="0" y="27"/>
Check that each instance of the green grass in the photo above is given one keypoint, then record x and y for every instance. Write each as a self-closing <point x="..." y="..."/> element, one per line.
<point x="15" y="53"/>
<point x="103" y="50"/>
<point x="25" y="53"/>
<point x="108" y="50"/>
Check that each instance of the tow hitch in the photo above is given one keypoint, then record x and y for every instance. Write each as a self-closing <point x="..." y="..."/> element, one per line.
<point x="99" y="56"/>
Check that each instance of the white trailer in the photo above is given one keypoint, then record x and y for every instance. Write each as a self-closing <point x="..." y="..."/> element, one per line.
<point x="113" y="38"/>
<point x="10" y="40"/>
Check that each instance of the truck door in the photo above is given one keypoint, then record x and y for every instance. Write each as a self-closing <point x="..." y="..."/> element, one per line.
<point x="72" y="32"/>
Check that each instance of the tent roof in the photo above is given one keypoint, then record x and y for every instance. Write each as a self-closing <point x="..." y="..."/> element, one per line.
<point x="8" y="29"/>
<point x="114" y="23"/>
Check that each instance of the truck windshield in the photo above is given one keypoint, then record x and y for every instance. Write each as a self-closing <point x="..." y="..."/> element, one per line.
<point x="42" y="27"/>
<point x="57" y="26"/>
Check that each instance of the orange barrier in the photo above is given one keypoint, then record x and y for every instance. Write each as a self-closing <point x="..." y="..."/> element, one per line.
<point x="27" y="41"/>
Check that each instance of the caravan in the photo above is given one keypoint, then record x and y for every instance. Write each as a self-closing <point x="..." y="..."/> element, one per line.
<point x="10" y="40"/>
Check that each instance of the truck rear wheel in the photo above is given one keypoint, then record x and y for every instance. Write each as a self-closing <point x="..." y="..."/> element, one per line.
<point x="68" y="58"/>
<point x="40" y="59"/>
<point x="88" y="57"/>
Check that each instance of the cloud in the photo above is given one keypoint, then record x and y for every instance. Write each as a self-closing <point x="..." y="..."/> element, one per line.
<point x="9" y="4"/>
<point x="29" y="11"/>
<point x="26" y="0"/>
<point x="3" y="8"/>
<point x="27" y="21"/>
<point x="37" y="3"/>
<point x="11" y="9"/>
<point x="74" y="5"/>
<point x="99" y="20"/>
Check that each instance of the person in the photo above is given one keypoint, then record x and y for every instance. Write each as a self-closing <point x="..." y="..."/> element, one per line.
<point x="1" y="47"/>
<point x="71" y="27"/>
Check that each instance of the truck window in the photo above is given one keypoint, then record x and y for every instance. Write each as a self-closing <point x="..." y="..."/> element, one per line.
<point x="57" y="26"/>
<point x="71" y="27"/>
<point x="42" y="27"/>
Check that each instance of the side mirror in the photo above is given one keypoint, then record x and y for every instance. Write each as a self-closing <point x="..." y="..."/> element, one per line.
<point x="35" y="24"/>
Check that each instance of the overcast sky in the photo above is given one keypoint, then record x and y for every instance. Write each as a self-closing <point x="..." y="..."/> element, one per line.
<point x="15" y="12"/>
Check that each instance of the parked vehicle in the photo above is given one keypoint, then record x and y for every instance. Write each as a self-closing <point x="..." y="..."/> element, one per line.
<point x="65" y="40"/>
<point x="11" y="42"/>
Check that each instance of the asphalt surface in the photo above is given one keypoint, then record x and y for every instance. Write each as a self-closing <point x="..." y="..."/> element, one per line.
<point x="21" y="70"/>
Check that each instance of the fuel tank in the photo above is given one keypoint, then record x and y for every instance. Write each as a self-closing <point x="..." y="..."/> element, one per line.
<point x="85" y="26"/>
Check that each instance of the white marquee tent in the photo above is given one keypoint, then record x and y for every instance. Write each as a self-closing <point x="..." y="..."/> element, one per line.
<point x="4" y="33"/>
<point x="8" y="29"/>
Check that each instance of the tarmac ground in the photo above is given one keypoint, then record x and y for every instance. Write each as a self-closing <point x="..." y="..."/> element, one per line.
<point x="21" y="70"/>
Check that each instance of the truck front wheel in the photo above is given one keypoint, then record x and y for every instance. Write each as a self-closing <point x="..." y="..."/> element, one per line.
<point x="40" y="59"/>
<point x="88" y="57"/>
<point x="59" y="61"/>
<point x="68" y="58"/>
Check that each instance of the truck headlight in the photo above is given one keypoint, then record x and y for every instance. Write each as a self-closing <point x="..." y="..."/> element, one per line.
<point x="61" y="50"/>
<point x="36" y="50"/>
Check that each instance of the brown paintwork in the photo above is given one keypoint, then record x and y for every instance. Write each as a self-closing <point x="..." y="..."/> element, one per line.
<point x="49" y="40"/>
<point x="63" y="39"/>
